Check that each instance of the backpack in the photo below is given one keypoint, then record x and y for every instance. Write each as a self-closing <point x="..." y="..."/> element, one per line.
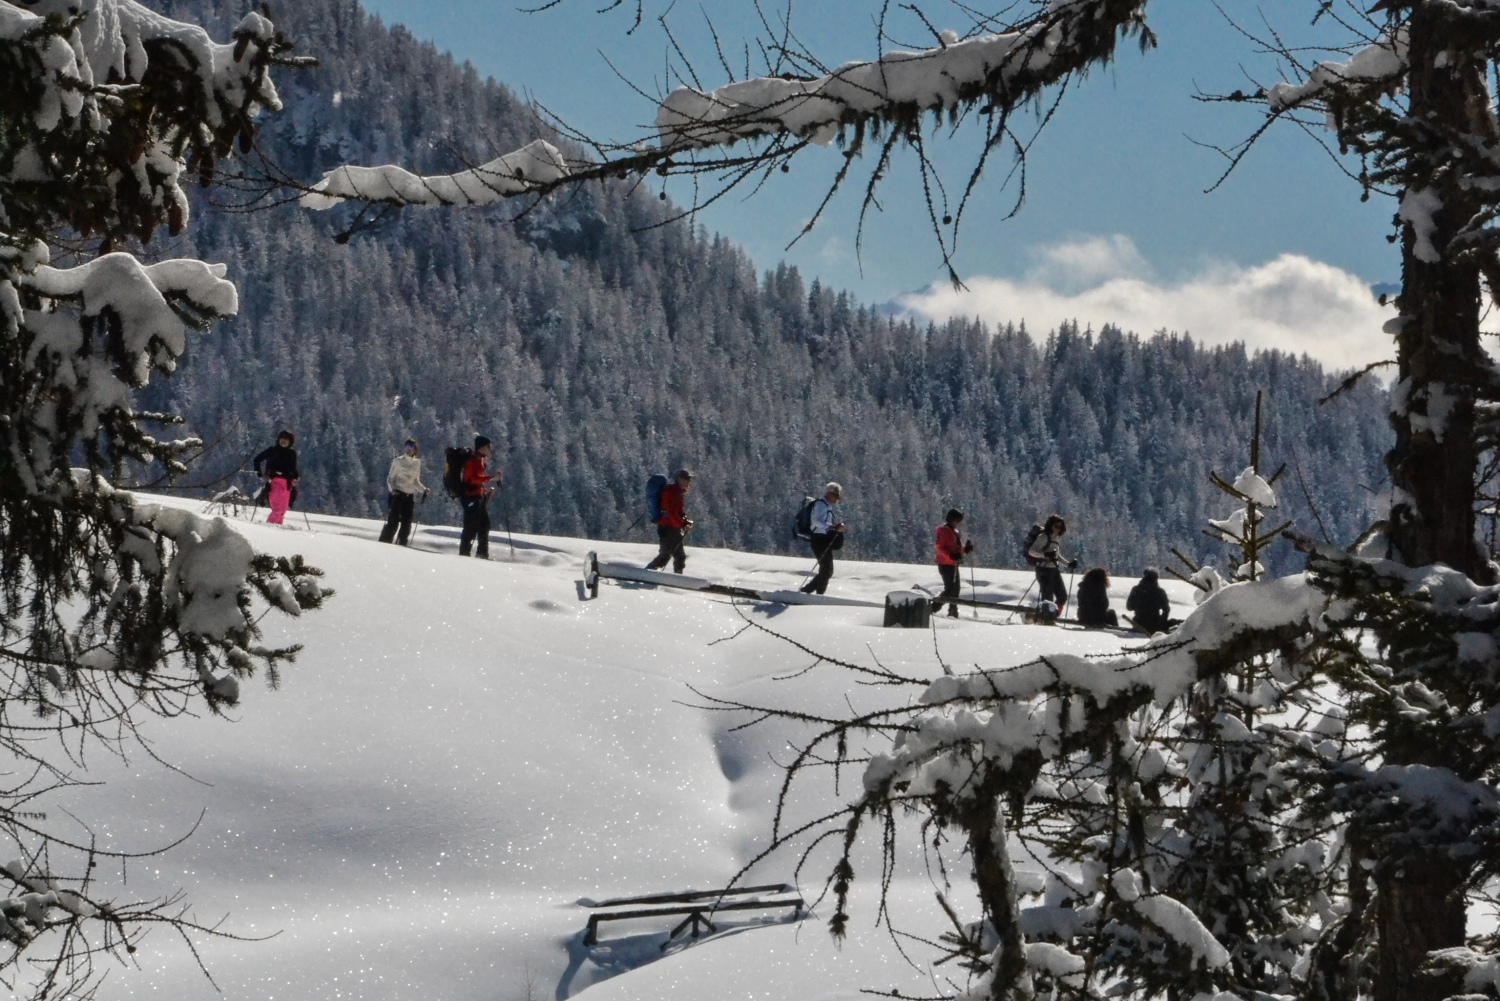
<point x="455" y="458"/>
<point x="802" y="524"/>
<point x="1031" y="536"/>
<point x="654" y="487"/>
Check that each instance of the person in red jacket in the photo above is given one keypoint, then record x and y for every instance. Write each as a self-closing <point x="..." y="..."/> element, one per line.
<point x="950" y="553"/>
<point x="673" y="523"/>
<point x="479" y="484"/>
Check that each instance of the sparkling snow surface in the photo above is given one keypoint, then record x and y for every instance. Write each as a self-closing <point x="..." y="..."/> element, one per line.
<point x="466" y="749"/>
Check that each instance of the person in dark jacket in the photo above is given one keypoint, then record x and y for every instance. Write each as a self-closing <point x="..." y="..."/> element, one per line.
<point x="674" y="524"/>
<point x="277" y="467"/>
<point x="479" y="483"/>
<point x="1148" y="605"/>
<point x="950" y="554"/>
<point x="1093" y="600"/>
<point x="1046" y="555"/>
<point x="827" y="537"/>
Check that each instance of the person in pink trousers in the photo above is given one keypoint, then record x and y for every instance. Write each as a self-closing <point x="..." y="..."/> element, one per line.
<point x="281" y="499"/>
<point x="277" y="465"/>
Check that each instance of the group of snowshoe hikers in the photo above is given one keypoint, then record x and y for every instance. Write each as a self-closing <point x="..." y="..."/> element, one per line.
<point x="467" y="477"/>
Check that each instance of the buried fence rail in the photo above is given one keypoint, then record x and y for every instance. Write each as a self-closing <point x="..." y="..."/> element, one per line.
<point x="696" y="916"/>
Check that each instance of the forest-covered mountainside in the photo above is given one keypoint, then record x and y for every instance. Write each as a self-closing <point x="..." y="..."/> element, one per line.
<point x="597" y="345"/>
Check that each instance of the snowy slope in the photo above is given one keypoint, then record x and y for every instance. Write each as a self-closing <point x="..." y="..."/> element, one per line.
<point x="467" y="749"/>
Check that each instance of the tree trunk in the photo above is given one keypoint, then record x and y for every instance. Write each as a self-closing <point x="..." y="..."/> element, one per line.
<point x="1434" y="462"/>
<point x="1418" y="909"/>
<point x="984" y="824"/>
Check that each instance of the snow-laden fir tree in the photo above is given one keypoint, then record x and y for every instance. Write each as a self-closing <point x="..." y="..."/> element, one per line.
<point x="1243" y="528"/>
<point x="111" y="609"/>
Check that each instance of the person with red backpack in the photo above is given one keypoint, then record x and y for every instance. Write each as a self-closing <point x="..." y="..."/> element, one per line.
<point x="673" y="523"/>
<point x="950" y="553"/>
<point x="478" y="484"/>
<point x="1045" y="554"/>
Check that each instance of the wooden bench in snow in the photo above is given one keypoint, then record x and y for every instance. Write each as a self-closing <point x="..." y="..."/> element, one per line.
<point x="594" y="571"/>
<point x="698" y="905"/>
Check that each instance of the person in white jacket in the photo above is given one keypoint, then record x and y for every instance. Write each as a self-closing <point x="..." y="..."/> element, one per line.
<point x="404" y="481"/>
<point x="827" y="537"/>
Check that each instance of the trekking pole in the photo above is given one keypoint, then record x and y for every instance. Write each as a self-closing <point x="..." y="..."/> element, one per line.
<point x="1072" y="575"/>
<point x="1022" y="600"/>
<point x="505" y="506"/>
<point x="973" y="591"/>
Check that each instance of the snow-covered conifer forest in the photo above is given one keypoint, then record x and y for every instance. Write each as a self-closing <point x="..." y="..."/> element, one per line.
<point x="477" y="772"/>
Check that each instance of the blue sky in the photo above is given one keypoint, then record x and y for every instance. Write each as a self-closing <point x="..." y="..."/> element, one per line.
<point x="1115" y="182"/>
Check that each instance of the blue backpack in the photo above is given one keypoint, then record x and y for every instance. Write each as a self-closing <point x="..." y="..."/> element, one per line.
<point x="654" y="487"/>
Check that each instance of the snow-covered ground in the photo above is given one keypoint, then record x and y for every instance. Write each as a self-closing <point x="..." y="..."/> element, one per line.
<point x="467" y="749"/>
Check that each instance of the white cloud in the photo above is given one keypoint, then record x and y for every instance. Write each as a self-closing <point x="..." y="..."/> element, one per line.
<point x="1292" y="303"/>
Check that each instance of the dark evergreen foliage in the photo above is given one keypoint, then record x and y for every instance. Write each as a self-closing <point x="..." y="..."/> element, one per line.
<point x="112" y="611"/>
<point x="595" y="349"/>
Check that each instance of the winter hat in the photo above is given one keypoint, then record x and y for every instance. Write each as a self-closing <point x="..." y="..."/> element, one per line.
<point x="1150" y="574"/>
<point x="480" y="441"/>
<point x="683" y="474"/>
<point x="284" y="433"/>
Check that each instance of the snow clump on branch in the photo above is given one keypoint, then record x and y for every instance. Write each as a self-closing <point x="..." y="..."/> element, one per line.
<point x="1381" y="62"/>
<point x="537" y="165"/>
<point x="936" y="78"/>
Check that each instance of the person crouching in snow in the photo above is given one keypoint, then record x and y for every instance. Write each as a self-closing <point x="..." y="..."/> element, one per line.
<point x="1093" y="600"/>
<point x="1149" y="606"/>
<point x="277" y="466"/>
<point x="404" y="482"/>
<point x="1047" y="556"/>
<point x="674" y="523"/>
<point x="951" y="553"/>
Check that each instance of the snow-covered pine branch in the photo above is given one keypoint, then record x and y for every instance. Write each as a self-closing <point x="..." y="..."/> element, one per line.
<point x="1068" y="36"/>
<point x="111" y="610"/>
<point x="536" y="166"/>
<point x="1001" y="71"/>
<point x="80" y="72"/>
<point x="1380" y="66"/>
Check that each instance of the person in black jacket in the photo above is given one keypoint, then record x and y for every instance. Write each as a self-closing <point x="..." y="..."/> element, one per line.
<point x="1149" y="606"/>
<point x="1093" y="600"/>
<point x="278" y="462"/>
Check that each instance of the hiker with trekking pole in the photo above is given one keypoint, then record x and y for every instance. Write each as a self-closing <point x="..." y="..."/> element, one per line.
<point x="825" y="535"/>
<point x="950" y="554"/>
<point x="404" y="482"/>
<point x="672" y="522"/>
<point x="1044" y="552"/>
<point x="277" y="468"/>
<point x="474" y="485"/>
